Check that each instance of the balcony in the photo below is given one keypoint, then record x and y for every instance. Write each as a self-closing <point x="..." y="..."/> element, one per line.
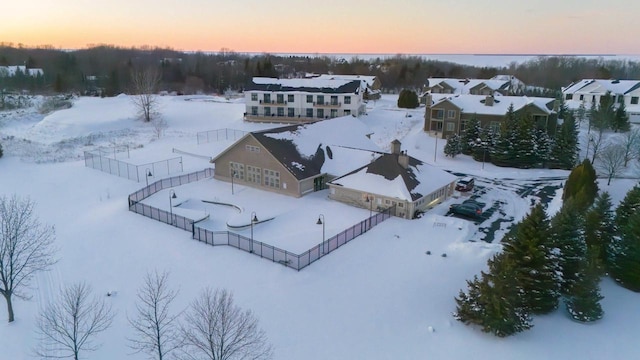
<point x="327" y="104"/>
<point x="273" y="102"/>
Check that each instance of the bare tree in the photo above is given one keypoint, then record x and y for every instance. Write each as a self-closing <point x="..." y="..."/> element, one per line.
<point x="156" y="329"/>
<point x="611" y="161"/>
<point x="594" y="139"/>
<point x="216" y="329"/>
<point x="630" y="142"/>
<point x="159" y="125"/>
<point x="69" y="325"/>
<point x="26" y="247"/>
<point x="145" y="85"/>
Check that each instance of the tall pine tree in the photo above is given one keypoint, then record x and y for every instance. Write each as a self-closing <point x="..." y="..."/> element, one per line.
<point x="628" y="206"/>
<point x="567" y="233"/>
<point x="600" y="230"/>
<point x="564" y="148"/>
<point x="531" y="253"/>
<point x="583" y="299"/>
<point x="581" y="185"/>
<point x="624" y="263"/>
<point x="621" y="119"/>
<point x="470" y="135"/>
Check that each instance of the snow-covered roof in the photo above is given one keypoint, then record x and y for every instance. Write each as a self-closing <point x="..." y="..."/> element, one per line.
<point x="601" y="86"/>
<point x="386" y="177"/>
<point x="367" y="79"/>
<point x="463" y="86"/>
<point x="330" y="146"/>
<point x="307" y="85"/>
<point x="477" y="103"/>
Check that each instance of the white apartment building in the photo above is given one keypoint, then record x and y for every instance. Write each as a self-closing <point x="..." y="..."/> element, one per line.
<point x="589" y="91"/>
<point x="302" y="100"/>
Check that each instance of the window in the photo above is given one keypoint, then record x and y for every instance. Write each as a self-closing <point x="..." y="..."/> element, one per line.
<point x="451" y="126"/>
<point x="254" y="96"/>
<point x="267" y="111"/>
<point x="291" y="112"/>
<point x="309" y="113"/>
<point x="280" y="98"/>
<point x="271" y="178"/>
<point x="320" y="99"/>
<point x="634" y="100"/>
<point x="290" y="98"/>
<point x="236" y="170"/>
<point x="494" y="126"/>
<point x="463" y="125"/>
<point x="347" y="100"/>
<point x="451" y="114"/>
<point x="347" y="112"/>
<point x="320" y="113"/>
<point x="569" y="96"/>
<point x="266" y="98"/>
<point x="620" y="99"/>
<point x="254" y="174"/>
<point x="334" y="113"/>
<point x="251" y="148"/>
<point x="581" y="97"/>
<point x="280" y="111"/>
<point x="437" y="114"/>
<point x="334" y="100"/>
<point x="254" y="110"/>
<point x="309" y="98"/>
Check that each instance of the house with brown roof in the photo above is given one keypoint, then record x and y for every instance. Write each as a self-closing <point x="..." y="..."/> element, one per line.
<point x="394" y="180"/>
<point x="448" y="115"/>
<point x="297" y="159"/>
<point x="498" y="85"/>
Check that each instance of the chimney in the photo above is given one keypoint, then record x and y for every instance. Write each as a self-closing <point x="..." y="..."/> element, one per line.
<point x="428" y="100"/>
<point x="488" y="101"/>
<point x="403" y="159"/>
<point x="395" y="147"/>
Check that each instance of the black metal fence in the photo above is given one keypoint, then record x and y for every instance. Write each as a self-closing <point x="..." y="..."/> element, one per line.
<point x="215" y="238"/>
<point x="218" y="135"/>
<point x="98" y="161"/>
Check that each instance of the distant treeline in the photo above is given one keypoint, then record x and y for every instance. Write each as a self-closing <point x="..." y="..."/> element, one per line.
<point x="106" y="69"/>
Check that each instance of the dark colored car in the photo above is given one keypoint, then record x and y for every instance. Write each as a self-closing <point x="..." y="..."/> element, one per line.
<point x="469" y="209"/>
<point x="465" y="184"/>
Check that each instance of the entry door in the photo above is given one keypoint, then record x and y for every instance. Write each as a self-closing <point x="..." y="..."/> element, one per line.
<point x="318" y="183"/>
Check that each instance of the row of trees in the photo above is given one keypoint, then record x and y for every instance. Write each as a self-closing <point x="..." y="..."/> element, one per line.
<point x="108" y="67"/>
<point x="520" y="142"/>
<point x="545" y="260"/>
<point x="213" y="327"/>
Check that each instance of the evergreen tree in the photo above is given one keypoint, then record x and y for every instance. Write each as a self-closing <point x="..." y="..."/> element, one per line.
<point x="603" y="116"/>
<point x="504" y="153"/>
<point x="525" y="142"/>
<point x="470" y="136"/>
<point x="624" y="263"/>
<point x="493" y="301"/>
<point x="564" y="148"/>
<point x="543" y="145"/>
<point x="452" y="147"/>
<point x="583" y="300"/>
<point x="581" y="185"/>
<point x="600" y="230"/>
<point x="1" y="153"/>
<point x="530" y="251"/>
<point x="627" y="207"/>
<point x="621" y="119"/>
<point x="567" y="233"/>
<point x="408" y="99"/>
<point x="581" y="113"/>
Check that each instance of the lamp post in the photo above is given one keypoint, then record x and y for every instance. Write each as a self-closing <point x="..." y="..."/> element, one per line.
<point x="435" y="151"/>
<point x="233" y="174"/>
<point x="147" y="175"/>
<point x="172" y="195"/>
<point x="321" y="222"/>
<point x="370" y="201"/>
<point x="254" y="219"/>
<point x="484" y="150"/>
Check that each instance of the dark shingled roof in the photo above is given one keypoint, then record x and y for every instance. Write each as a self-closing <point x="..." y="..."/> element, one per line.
<point x="387" y="166"/>
<point x="351" y="87"/>
<point x="285" y="151"/>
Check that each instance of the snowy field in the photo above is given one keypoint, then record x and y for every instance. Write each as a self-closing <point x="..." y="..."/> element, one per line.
<point x="377" y="297"/>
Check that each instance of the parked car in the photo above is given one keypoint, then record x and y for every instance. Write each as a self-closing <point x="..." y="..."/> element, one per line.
<point x="468" y="209"/>
<point x="465" y="184"/>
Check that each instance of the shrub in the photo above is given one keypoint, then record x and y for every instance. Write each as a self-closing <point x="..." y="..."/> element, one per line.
<point x="408" y="99"/>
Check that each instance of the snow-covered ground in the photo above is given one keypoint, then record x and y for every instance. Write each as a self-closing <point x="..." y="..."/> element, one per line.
<point x="378" y="297"/>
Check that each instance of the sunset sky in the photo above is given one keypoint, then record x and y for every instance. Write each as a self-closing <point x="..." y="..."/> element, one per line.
<point x="331" y="26"/>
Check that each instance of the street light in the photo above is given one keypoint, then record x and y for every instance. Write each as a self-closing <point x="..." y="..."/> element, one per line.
<point x="172" y="195"/>
<point x="254" y="219"/>
<point x="484" y="150"/>
<point x="370" y="201"/>
<point x="148" y="174"/>
<point x="435" y="151"/>
<point x="321" y="222"/>
<point x="233" y="174"/>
